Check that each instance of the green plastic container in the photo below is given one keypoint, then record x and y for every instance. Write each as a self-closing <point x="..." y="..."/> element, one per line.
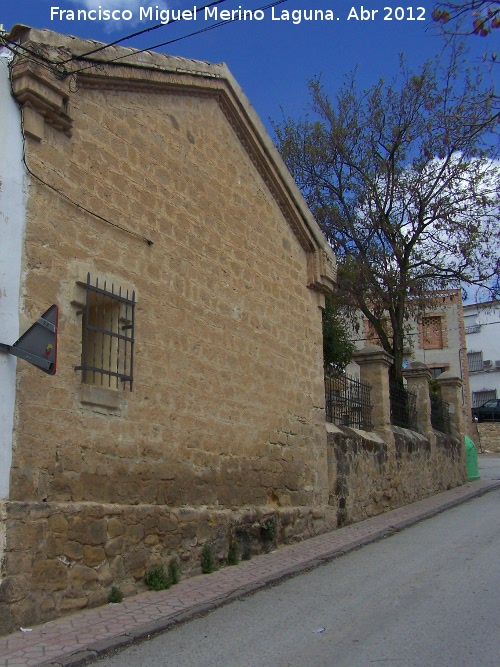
<point x="471" y="460"/>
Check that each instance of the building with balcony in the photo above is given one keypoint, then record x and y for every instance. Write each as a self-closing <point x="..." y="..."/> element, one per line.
<point x="482" y="333"/>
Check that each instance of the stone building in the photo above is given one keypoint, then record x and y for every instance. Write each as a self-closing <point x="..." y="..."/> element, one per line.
<point x="144" y="199"/>
<point x="153" y="209"/>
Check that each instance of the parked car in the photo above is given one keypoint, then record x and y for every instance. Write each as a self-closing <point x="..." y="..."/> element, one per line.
<point x="489" y="411"/>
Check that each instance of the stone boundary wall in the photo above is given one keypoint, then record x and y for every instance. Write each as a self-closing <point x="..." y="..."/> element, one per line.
<point x="370" y="474"/>
<point x="487" y="437"/>
<point x="62" y="557"/>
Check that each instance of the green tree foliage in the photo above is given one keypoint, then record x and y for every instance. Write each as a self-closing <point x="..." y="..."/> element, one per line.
<point x="402" y="178"/>
<point x="337" y="346"/>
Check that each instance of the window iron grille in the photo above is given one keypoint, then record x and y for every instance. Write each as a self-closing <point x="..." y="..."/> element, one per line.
<point x="347" y="401"/>
<point x="480" y="397"/>
<point x="432" y="333"/>
<point x="475" y="361"/>
<point x="403" y="407"/>
<point x="107" y="336"/>
<point x="440" y="414"/>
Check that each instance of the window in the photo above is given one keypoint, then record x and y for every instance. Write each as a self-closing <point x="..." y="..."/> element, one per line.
<point x="432" y="333"/>
<point x="475" y="362"/>
<point x="437" y="370"/>
<point x="107" y="336"/>
<point x="480" y="397"/>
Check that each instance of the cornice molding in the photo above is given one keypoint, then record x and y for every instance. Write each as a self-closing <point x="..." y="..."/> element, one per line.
<point x="36" y="89"/>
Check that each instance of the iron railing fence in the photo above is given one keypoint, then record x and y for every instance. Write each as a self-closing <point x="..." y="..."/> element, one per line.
<point x="403" y="407"/>
<point x="348" y="401"/>
<point x="440" y="414"/>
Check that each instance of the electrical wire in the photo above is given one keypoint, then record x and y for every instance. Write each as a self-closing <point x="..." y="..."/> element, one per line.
<point x="417" y="333"/>
<point x="51" y="65"/>
<point x="136" y="34"/>
<point x="36" y="55"/>
<point x="60" y="192"/>
<point x="57" y="67"/>
<point x="33" y="56"/>
<point x="172" y="41"/>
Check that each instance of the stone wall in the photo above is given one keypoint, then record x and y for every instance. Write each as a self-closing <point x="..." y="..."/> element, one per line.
<point x="159" y="179"/>
<point x="486" y="437"/>
<point x="62" y="557"/>
<point x="370" y="474"/>
<point x="65" y="556"/>
<point x="227" y="401"/>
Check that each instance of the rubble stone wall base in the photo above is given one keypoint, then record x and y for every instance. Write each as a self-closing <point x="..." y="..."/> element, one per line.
<point x="62" y="557"/>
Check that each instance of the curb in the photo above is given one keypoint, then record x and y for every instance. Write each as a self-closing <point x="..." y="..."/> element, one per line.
<point x="106" y="646"/>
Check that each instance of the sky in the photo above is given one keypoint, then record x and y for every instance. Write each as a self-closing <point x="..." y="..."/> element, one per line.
<point x="271" y="58"/>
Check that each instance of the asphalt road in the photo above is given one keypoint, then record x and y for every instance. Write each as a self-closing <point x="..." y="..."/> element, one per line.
<point x="426" y="597"/>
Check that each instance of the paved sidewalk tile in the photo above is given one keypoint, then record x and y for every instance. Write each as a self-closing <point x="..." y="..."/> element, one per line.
<point x="77" y="639"/>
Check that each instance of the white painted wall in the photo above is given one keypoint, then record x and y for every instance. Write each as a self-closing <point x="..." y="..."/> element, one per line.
<point x="483" y="322"/>
<point x="13" y="195"/>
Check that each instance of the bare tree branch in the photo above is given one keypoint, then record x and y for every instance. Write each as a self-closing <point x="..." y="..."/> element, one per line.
<point x="404" y="180"/>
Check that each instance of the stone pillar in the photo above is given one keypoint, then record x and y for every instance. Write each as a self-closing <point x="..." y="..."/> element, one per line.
<point x="374" y="364"/>
<point x="417" y="376"/>
<point x="450" y="390"/>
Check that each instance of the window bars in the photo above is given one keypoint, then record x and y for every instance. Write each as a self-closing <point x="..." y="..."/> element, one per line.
<point x="107" y="336"/>
<point x="440" y="414"/>
<point x="347" y="401"/>
<point x="403" y="407"/>
<point x="480" y="397"/>
<point x="475" y="361"/>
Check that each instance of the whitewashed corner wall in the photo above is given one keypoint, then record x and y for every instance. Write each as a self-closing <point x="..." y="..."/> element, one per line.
<point x="13" y="195"/>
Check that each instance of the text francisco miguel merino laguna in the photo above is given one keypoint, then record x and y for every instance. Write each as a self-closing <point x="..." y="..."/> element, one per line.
<point x="207" y="13"/>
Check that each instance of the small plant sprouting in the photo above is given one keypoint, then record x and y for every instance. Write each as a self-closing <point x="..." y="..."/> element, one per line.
<point x="207" y="560"/>
<point x="267" y="530"/>
<point x="115" y="596"/>
<point x="156" y="578"/>
<point x="233" y="554"/>
<point x="174" y="571"/>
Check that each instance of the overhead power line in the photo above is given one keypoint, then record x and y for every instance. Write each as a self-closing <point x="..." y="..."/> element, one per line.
<point x="171" y="41"/>
<point x="51" y="64"/>
<point x="136" y="34"/>
<point x="14" y="47"/>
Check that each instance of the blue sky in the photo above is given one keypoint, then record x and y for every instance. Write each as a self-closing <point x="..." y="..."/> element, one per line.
<point x="271" y="59"/>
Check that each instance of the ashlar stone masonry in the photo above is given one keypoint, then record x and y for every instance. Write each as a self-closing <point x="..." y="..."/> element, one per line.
<point x="153" y="175"/>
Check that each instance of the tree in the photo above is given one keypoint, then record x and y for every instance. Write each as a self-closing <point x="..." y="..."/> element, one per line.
<point x="477" y="17"/>
<point x="403" y="182"/>
<point x="337" y="346"/>
<point x="470" y="17"/>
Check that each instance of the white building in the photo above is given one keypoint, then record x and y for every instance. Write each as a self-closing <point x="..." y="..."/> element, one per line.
<point x="13" y="194"/>
<point x="482" y="333"/>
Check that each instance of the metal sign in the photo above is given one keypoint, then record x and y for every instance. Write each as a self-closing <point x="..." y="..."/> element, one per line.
<point x="38" y="345"/>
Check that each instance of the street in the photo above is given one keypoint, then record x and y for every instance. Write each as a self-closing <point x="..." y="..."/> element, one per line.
<point x="425" y="597"/>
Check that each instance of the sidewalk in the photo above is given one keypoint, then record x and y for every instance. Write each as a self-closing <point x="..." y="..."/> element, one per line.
<point x="77" y="639"/>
